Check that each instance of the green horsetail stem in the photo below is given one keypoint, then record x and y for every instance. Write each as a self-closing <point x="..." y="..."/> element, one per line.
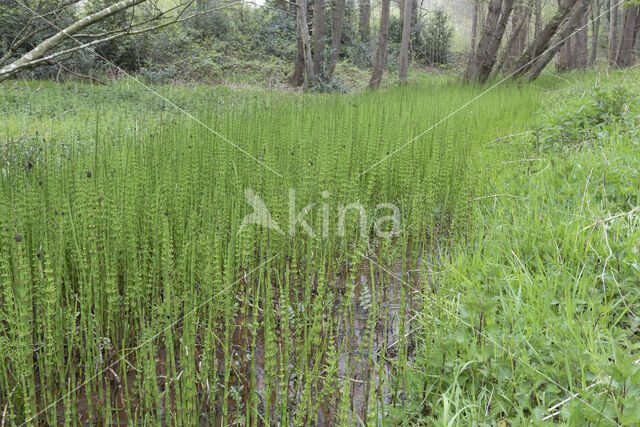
<point x="134" y="290"/>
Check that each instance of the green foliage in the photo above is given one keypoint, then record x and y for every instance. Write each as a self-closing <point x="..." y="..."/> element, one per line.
<point x="243" y="39"/>
<point x="538" y="303"/>
<point x="275" y="34"/>
<point x="360" y="54"/>
<point x="328" y="86"/>
<point x="594" y="116"/>
<point x="10" y="20"/>
<point x="131" y="290"/>
<point x="14" y="16"/>
<point x="252" y="45"/>
<point x="430" y="40"/>
<point x="242" y="44"/>
<point x="216" y="24"/>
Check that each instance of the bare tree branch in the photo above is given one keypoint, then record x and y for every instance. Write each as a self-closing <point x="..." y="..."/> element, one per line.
<point x="132" y="25"/>
<point x="42" y="54"/>
<point x="56" y="40"/>
<point x="83" y="76"/>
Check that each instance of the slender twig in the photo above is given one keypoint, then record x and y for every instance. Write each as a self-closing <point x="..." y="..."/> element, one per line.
<point x="612" y="218"/>
<point x="499" y="195"/>
<point x="95" y="79"/>
<point x="63" y="53"/>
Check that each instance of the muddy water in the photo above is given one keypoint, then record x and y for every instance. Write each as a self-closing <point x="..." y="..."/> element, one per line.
<point x="374" y="334"/>
<point x="375" y="337"/>
<point x="378" y="341"/>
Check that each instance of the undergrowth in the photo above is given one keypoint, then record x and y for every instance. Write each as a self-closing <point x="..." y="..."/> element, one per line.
<point x="534" y="317"/>
<point x="133" y="289"/>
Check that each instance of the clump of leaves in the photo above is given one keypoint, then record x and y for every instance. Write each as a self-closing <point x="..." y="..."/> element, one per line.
<point x="590" y="117"/>
<point x="533" y="317"/>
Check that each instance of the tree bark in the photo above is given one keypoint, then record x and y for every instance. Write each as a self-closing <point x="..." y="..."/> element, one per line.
<point x="474" y="25"/>
<point x="629" y="36"/>
<point x="364" y="24"/>
<point x="573" y="54"/>
<point x="538" y="24"/>
<point x="581" y="37"/>
<point x="517" y="39"/>
<point x="336" y="36"/>
<point x="595" y="7"/>
<point x="542" y="41"/>
<point x="297" y="79"/>
<point x="564" y="62"/>
<point x="414" y="13"/>
<point x="319" y="26"/>
<point x="483" y="59"/>
<point x="404" y="43"/>
<point x="521" y="27"/>
<point x="576" y="17"/>
<point x="378" y="65"/>
<point x="613" y="32"/>
<point x="303" y="36"/>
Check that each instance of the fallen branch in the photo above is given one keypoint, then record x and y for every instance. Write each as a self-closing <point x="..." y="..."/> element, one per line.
<point x="611" y="218"/>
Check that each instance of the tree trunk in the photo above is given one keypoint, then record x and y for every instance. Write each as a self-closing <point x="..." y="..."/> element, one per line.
<point x="297" y="79"/>
<point x="517" y="39"/>
<point x="520" y="33"/>
<point x="378" y="65"/>
<point x="543" y="39"/>
<point x="573" y="54"/>
<point x="483" y="59"/>
<point x="538" y="25"/>
<point x="595" y="7"/>
<point x="319" y="26"/>
<point x="563" y="62"/>
<point x="404" y="44"/>
<point x="613" y="32"/>
<point x="577" y="16"/>
<point x="474" y="25"/>
<point x="581" y="37"/>
<point x="364" y="25"/>
<point x="303" y="36"/>
<point x="629" y="36"/>
<point x="414" y="13"/>
<point x="336" y="37"/>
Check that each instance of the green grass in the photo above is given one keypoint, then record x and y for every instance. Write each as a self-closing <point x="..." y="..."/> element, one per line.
<point x="540" y="301"/>
<point x="129" y="281"/>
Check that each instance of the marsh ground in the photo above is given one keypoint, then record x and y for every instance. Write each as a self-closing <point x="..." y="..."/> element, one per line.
<point x="140" y="273"/>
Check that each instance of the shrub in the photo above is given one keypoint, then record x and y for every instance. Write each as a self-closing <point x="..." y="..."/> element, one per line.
<point x="589" y="117"/>
<point x="431" y="41"/>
